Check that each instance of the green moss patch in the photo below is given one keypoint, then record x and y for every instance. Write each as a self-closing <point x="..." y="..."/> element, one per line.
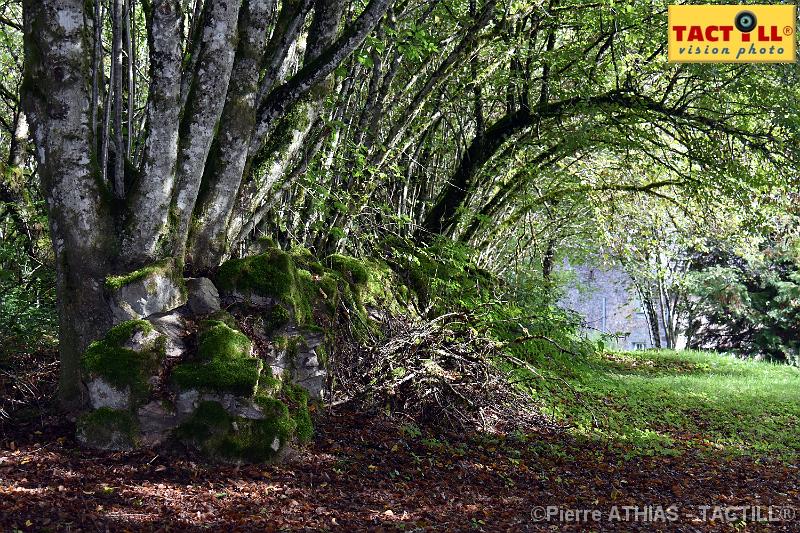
<point x="222" y="316"/>
<point x="276" y="318"/>
<point x="225" y="363"/>
<point x="218" y="434"/>
<point x="328" y="287"/>
<point x="384" y="289"/>
<point x="108" y="429"/>
<point x="303" y="258"/>
<point x="272" y="274"/>
<point x="122" y="367"/>
<point x="121" y="333"/>
<point x="268" y="274"/>
<point x="352" y="269"/>
<point x="298" y="407"/>
<point x="267" y="242"/>
<point x="220" y="341"/>
<point x="166" y="267"/>
<point x="237" y="376"/>
<point x="306" y="289"/>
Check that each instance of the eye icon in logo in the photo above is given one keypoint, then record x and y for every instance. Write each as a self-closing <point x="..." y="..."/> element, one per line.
<point x="745" y="21"/>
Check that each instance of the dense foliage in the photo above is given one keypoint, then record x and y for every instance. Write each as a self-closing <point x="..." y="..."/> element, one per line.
<point x="749" y="307"/>
<point x="523" y="132"/>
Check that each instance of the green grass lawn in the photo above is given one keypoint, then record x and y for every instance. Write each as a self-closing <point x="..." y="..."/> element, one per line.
<point x="663" y="402"/>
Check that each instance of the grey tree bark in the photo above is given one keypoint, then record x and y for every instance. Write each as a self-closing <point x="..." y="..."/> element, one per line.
<point x="218" y="96"/>
<point x="229" y="152"/>
<point x="206" y="99"/>
<point x="147" y="228"/>
<point x="57" y="100"/>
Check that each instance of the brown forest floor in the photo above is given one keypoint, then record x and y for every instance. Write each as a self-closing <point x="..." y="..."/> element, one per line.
<point x="365" y="473"/>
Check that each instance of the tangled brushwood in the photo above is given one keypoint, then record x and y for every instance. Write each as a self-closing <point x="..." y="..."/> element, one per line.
<point x="28" y="382"/>
<point x="437" y="373"/>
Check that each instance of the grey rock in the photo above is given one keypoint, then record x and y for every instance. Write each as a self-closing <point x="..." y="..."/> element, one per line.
<point x="203" y="296"/>
<point x="103" y="394"/>
<point x="313" y="379"/>
<point x="141" y="341"/>
<point x="246" y="408"/>
<point x="156" y="422"/>
<point x="110" y="440"/>
<point x="187" y="401"/>
<point x="313" y="340"/>
<point x="173" y="325"/>
<point x="304" y="368"/>
<point x="155" y="293"/>
<point x="251" y="300"/>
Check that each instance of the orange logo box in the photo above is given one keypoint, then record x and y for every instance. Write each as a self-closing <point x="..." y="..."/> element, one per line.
<point x="732" y="34"/>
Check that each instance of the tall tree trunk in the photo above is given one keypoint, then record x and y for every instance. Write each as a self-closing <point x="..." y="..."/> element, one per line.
<point x="147" y="229"/>
<point x="295" y="127"/>
<point x="119" y="140"/>
<point x="229" y="152"/>
<point x="57" y="101"/>
<point x="206" y="98"/>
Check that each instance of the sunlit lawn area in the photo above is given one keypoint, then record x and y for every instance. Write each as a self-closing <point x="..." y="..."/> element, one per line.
<point x="660" y="402"/>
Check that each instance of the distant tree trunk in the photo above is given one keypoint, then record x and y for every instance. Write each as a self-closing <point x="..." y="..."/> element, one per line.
<point x="548" y="260"/>
<point x="652" y="320"/>
<point x="18" y="149"/>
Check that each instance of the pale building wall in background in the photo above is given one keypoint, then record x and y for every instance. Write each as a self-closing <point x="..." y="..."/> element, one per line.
<point x="607" y="301"/>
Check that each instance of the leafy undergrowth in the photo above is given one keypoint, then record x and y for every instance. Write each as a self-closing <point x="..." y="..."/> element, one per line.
<point x="665" y="402"/>
<point x="366" y="473"/>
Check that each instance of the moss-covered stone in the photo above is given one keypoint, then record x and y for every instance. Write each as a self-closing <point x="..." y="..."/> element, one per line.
<point x="353" y="270"/>
<point x="276" y="318"/>
<point x="237" y="376"/>
<point x="303" y="258"/>
<point x="328" y="285"/>
<point x="220" y="435"/>
<point x="155" y="288"/>
<point x="120" y="366"/>
<point x="298" y="407"/>
<point x="224" y="362"/>
<point x="269" y="385"/>
<point x="384" y="290"/>
<point x="166" y="267"/>
<point x="217" y="340"/>
<point x="122" y="333"/>
<point x="308" y="290"/>
<point x="267" y="242"/>
<point x="108" y="429"/>
<point x="268" y="274"/>
<point x="271" y="274"/>
<point x="222" y="316"/>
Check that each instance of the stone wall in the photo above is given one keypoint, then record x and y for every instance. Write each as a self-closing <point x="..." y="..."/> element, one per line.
<point x="604" y="295"/>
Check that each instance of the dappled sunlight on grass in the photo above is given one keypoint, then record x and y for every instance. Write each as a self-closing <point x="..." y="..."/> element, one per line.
<point x="659" y="402"/>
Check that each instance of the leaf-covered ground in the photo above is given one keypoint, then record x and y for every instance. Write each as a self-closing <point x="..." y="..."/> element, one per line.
<point x="367" y="473"/>
<point x="686" y="440"/>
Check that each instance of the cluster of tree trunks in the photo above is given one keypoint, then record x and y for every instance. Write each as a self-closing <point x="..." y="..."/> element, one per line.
<point x="316" y="121"/>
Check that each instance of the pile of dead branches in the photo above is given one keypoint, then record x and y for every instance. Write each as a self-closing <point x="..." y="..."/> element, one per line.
<point x="437" y="373"/>
<point x="28" y="381"/>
